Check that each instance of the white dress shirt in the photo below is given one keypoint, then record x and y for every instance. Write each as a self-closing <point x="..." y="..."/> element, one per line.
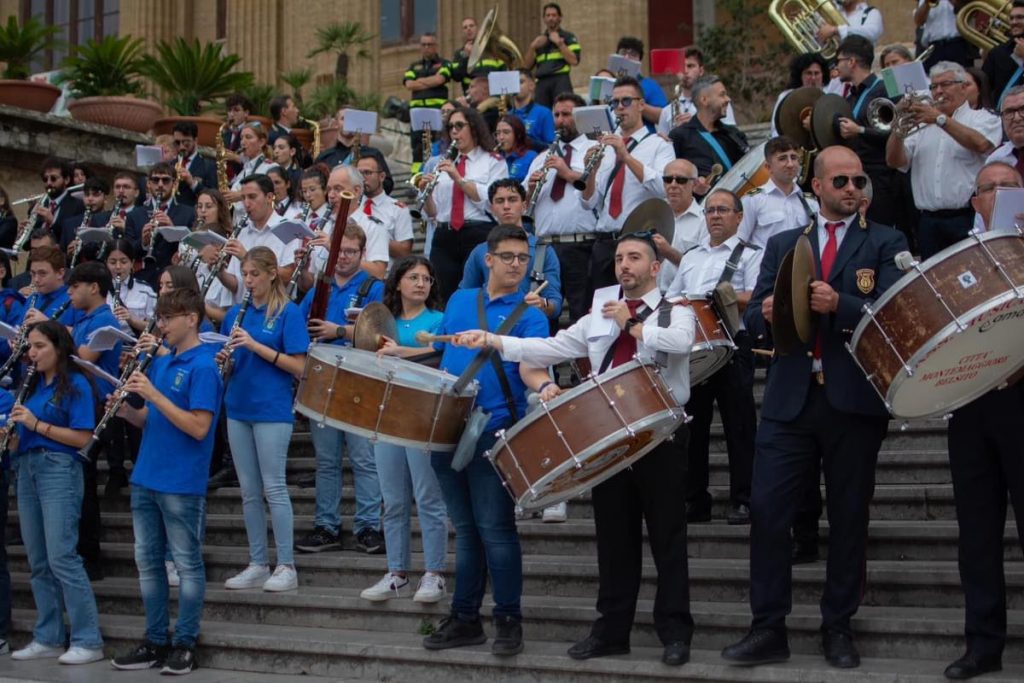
<point x="482" y="169"/>
<point x="686" y="106"/>
<point x="251" y="237"/>
<point x="140" y="299"/>
<point x="702" y="266"/>
<point x="376" y="241"/>
<point x="940" y="24"/>
<point x="772" y="211"/>
<point x="862" y="20"/>
<point x="250" y="166"/>
<point x="944" y="170"/>
<point x="655" y="153"/>
<point x="689" y="226"/>
<point x="676" y="340"/>
<point x="563" y="217"/>
<point x="394" y="215"/>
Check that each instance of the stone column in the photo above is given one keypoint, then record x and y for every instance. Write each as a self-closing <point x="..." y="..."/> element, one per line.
<point x="254" y="34"/>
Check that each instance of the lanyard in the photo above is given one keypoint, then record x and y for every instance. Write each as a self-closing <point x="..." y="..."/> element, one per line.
<point x="719" y="152"/>
<point x="1009" y="84"/>
<point x="863" y="96"/>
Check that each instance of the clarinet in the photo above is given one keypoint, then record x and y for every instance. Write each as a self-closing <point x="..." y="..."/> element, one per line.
<point x="553" y="150"/>
<point x="20" y="345"/>
<point x="5" y="444"/>
<point x="223" y="258"/>
<point x="595" y="161"/>
<point x="223" y="365"/>
<point x="303" y="262"/>
<point x="421" y="198"/>
<point x="78" y="242"/>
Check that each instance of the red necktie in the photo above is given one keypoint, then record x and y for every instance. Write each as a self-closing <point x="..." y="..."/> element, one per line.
<point x="368" y="207"/>
<point x="558" y="188"/>
<point x="625" y="345"/>
<point x="828" y="257"/>
<point x="163" y="208"/>
<point x="122" y="213"/>
<point x="615" y="206"/>
<point x="458" y="218"/>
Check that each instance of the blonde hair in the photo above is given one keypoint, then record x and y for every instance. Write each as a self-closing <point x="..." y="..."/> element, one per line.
<point x="263" y="258"/>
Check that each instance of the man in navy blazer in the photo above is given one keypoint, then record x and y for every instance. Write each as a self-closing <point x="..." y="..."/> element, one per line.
<point x="818" y="405"/>
<point x="198" y="173"/>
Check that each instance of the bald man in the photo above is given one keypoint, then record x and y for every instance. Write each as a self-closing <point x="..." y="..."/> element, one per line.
<point x="818" y="408"/>
<point x="679" y="178"/>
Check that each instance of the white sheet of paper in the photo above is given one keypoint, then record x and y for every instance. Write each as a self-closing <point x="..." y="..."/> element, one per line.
<point x="106" y="338"/>
<point x="286" y="231"/>
<point x="601" y="88"/>
<point x="899" y="78"/>
<point x="93" y="235"/>
<point x="7" y="332"/>
<point x="202" y="238"/>
<point x="1008" y="205"/>
<point x="148" y="155"/>
<point x="420" y="117"/>
<point x="503" y="82"/>
<point x="173" y="233"/>
<point x="594" y="119"/>
<point x="623" y="66"/>
<point x="95" y="370"/>
<point x="213" y="338"/>
<point x="601" y="326"/>
<point x="359" y="121"/>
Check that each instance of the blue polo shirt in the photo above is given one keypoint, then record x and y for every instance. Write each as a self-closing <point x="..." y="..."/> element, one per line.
<point x="519" y="165"/>
<point x="12" y="312"/>
<point x="461" y="315"/>
<point x="653" y="94"/>
<point x="109" y="360"/>
<point x="49" y="303"/>
<point x="169" y="460"/>
<point x="474" y="274"/>
<point x="342" y="298"/>
<point x="426" y="321"/>
<point x="257" y="390"/>
<point x="75" y="410"/>
<point x="539" y="122"/>
<point x="6" y="403"/>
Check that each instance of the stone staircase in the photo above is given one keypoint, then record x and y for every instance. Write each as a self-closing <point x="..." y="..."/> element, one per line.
<point x="909" y="627"/>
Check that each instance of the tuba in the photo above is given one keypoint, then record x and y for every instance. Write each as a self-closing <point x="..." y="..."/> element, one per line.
<point x="799" y="21"/>
<point x="985" y="23"/>
<point x="491" y="42"/>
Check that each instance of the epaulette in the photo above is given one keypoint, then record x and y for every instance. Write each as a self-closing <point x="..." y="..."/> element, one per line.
<point x="399" y="204"/>
<point x="751" y="246"/>
<point x="810" y="195"/>
<point x="751" y="193"/>
<point x="495" y="155"/>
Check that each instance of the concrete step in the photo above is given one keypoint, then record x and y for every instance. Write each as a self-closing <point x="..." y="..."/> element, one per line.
<point x="347" y="654"/>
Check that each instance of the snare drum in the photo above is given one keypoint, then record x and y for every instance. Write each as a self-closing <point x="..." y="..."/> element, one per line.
<point x="948" y="331"/>
<point x="584" y="436"/>
<point x="712" y="345"/>
<point x="746" y="174"/>
<point x="384" y="398"/>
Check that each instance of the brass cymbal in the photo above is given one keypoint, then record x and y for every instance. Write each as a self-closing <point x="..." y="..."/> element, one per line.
<point x="804" y="320"/>
<point x="824" y="125"/>
<point x="783" y="330"/>
<point x="374" y="322"/>
<point x="653" y="215"/>
<point x="790" y="112"/>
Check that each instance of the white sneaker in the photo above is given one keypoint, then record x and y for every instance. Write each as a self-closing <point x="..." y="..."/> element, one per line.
<point x="555" y="513"/>
<point x="252" y="576"/>
<point x="173" y="579"/>
<point x="391" y="586"/>
<point x="285" y="578"/>
<point x="5" y="647"/>
<point x="431" y="588"/>
<point x="80" y="655"/>
<point x="36" y="650"/>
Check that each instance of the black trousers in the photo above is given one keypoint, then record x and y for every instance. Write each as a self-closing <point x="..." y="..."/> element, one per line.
<point x="574" y="262"/>
<point x="987" y="463"/>
<point x="951" y="50"/>
<point x="649" y="491"/>
<point x="892" y="201"/>
<point x="940" y="229"/>
<point x="451" y="249"/>
<point x="89" y="525"/>
<point x="550" y="87"/>
<point x="602" y="264"/>
<point x="847" y="446"/>
<point x="732" y="388"/>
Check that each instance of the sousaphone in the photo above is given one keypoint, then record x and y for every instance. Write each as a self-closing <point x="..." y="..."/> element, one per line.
<point x="492" y="42"/>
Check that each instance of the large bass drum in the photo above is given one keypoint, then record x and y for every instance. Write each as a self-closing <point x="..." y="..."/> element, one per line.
<point x="746" y="174"/>
<point x="948" y="331"/>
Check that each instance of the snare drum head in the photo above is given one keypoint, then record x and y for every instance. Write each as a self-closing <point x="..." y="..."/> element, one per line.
<point x="707" y="360"/>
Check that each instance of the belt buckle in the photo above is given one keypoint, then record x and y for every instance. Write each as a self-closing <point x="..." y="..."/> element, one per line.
<point x="819" y="377"/>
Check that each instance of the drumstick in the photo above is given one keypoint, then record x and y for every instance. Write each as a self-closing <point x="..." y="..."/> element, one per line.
<point x="763" y="352"/>
<point x="423" y="338"/>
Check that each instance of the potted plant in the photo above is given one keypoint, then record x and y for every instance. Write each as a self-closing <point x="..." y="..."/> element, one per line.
<point x="19" y="45"/>
<point x="341" y="38"/>
<point x="322" y="105"/>
<point x="190" y="77"/>
<point x="104" y="79"/>
<point x="260" y="95"/>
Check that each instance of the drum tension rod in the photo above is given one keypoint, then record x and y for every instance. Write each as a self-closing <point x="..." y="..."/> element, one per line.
<point x="960" y="326"/>
<point x="561" y="436"/>
<point x="888" y="340"/>
<point x="999" y="266"/>
<point x="871" y="377"/>
<point x="515" y="461"/>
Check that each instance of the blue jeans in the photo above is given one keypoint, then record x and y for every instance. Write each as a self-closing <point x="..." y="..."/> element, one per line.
<point x="486" y="539"/>
<point x="328" y="443"/>
<point x="406" y="473"/>
<point x="260" y="453"/>
<point x="170" y="522"/>
<point x="50" y="487"/>
<point x="5" y="574"/>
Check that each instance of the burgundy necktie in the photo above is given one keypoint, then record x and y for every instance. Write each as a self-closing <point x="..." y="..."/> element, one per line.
<point x="625" y="345"/>
<point x="828" y="258"/>
<point x="558" y="188"/>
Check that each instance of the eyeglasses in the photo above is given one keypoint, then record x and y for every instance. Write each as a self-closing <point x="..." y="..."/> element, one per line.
<point x="178" y="143"/>
<point x="625" y="102"/>
<point x="417" y="278"/>
<point x="629" y="54"/>
<point x="942" y="85"/>
<point x="428" y="44"/>
<point x="840" y="181"/>
<point x="721" y="210"/>
<point x="509" y="257"/>
<point x="1010" y="114"/>
<point x="161" y="180"/>
<point x="52" y="178"/>
<point x="989" y="187"/>
<point x="350" y="253"/>
<point x="678" y="179"/>
<point x="457" y="125"/>
<point x="164" y="319"/>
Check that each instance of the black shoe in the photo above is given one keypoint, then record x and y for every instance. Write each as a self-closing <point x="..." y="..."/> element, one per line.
<point x="739" y="514"/>
<point x="508" y="637"/>
<point x="697" y="515"/>
<point x="182" y="660"/>
<point x="970" y="665"/>
<point x="454" y="633"/>
<point x="370" y="541"/>
<point x="804" y="551"/>
<point x="117" y="479"/>
<point x="145" y="656"/>
<point x="759" y="646"/>
<point x="225" y="477"/>
<point x="676" y="654"/>
<point x="318" y="540"/>
<point x="840" y="651"/>
<point x="592" y="646"/>
<point x="94" y="570"/>
<point x="304" y="481"/>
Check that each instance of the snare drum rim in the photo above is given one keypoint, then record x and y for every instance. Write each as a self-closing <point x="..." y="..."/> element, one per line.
<point x="719" y="364"/>
<point x="444" y="380"/>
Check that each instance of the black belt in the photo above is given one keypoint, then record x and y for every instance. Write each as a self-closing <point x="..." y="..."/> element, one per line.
<point x="467" y="224"/>
<point x="941" y="41"/>
<point x="948" y="213"/>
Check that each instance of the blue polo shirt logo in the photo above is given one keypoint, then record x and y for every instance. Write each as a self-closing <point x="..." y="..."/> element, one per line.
<point x="268" y="325"/>
<point x="179" y="380"/>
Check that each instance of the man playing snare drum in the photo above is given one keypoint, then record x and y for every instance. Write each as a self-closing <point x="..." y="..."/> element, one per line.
<point x="652" y="330"/>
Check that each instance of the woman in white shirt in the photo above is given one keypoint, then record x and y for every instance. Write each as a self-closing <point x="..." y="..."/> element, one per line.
<point x="255" y="159"/>
<point x="132" y="300"/>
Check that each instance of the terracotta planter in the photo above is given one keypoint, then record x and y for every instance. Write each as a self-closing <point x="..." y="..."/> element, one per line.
<point x="265" y="121"/>
<point x="328" y="136"/>
<point x="129" y="113"/>
<point x="208" y="127"/>
<point x="305" y="138"/>
<point x="32" y="95"/>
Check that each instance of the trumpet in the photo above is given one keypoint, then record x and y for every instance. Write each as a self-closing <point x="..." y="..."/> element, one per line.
<point x="553" y="150"/>
<point x="423" y="195"/>
<point x="592" y="165"/>
<point x="885" y="115"/>
<point x="223" y="365"/>
<point x="5" y="444"/>
<point x="223" y="257"/>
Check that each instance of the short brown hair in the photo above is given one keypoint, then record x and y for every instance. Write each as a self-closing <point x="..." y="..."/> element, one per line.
<point x="354" y="231"/>
<point x="779" y="143"/>
<point x="181" y="302"/>
<point x="52" y="255"/>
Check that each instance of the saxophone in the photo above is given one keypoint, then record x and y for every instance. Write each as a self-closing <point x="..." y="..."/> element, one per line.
<point x="77" y="250"/>
<point x="223" y="366"/>
<point x="5" y="444"/>
<point x="178" y="168"/>
<point x="221" y="160"/>
<point x="315" y="127"/>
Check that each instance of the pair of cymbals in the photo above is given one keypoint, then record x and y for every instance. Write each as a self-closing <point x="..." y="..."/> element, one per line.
<point x="374" y="323"/>
<point x="652" y="215"/>
<point x="825" y="111"/>
<point x="794" y="325"/>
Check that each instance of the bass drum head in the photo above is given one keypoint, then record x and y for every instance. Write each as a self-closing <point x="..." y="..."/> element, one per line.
<point x="707" y="360"/>
<point x="960" y="366"/>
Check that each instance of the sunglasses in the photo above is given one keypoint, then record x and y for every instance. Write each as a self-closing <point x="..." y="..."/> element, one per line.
<point x="624" y="102"/>
<point x="457" y="126"/>
<point x="678" y="179"/>
<point x="859" y="181"/>
<point x="161" y="180"/>
<point x="52" y="178"/>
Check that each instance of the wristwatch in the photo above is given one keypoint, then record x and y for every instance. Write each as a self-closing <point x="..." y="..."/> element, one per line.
<point x="630" y="324"/>
<point x="941" y="120"/>
<point x="339" y="333"/>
